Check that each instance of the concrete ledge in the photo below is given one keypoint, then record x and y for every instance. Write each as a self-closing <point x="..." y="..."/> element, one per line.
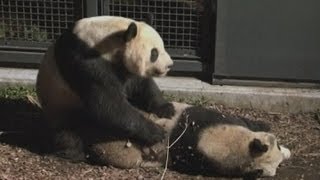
<point x="15" y="76"/>
<point x="270" y="99"/>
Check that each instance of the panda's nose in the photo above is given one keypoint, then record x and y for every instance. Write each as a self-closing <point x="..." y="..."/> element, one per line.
<point x="170" y="66"/>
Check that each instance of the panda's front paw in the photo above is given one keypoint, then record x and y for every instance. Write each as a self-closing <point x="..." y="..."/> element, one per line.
<point x="157" y="136"/>
<point x="165" y="111"/>
<point x="153" y="134"/>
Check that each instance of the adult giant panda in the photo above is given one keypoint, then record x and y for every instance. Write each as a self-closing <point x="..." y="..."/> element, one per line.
<point x="203" y="141"/>
<point x="100" y="72"/>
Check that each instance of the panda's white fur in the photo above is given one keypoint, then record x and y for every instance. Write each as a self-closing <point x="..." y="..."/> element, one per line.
<point x="136" y="53"/>
<point x="106" y="60"/>
<point x="221" y="148"/>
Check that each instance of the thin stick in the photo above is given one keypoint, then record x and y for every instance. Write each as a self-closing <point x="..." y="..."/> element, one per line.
<point x="185" y="129"/>
<point x="33" y="100"/>
<point x="169" y="146"/>
<point x="167" y="159"/>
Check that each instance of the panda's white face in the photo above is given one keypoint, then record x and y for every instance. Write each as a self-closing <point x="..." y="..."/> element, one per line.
<point x="274" y="154"/>
<point x="145" y="54"/>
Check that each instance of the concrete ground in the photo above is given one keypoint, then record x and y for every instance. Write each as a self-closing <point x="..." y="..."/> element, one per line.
<point x="263" y="98"/>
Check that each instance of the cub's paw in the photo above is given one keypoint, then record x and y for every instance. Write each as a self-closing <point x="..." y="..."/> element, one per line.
<point x="263" y="126"/>
<point x="165" y="111"/>
<point x="260" y="126"/>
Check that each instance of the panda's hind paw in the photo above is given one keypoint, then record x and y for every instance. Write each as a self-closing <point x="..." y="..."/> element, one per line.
<point x="165" y="111"/>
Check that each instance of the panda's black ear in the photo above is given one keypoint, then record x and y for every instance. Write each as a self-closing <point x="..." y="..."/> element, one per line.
<point x="257" y="148"/>
<point x="131" y="32"/>
<point x="149" y="19"/>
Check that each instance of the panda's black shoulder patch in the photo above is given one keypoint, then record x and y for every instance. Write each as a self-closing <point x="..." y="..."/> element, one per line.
<point x="74" y="46"/>
<point x="205" y="117"/>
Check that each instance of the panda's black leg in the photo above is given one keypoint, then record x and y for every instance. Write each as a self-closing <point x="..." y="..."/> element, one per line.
<point x="110" y="108"/>
<point x="68" y="145"/>
<point x="257" y="125"/>
<point x="146" y="95"/>
<point x="253" y="175"/>
<point x="62" y="126"/>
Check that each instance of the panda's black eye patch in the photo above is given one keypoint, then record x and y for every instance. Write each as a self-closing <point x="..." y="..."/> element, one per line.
<point x="154" y="55"/>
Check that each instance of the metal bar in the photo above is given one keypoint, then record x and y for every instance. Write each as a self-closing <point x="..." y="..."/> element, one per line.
<point x="20" y="57"/>
<point x="187" y="65"/>
<point x="266" y="83"/>
<point x="92" y="8"/>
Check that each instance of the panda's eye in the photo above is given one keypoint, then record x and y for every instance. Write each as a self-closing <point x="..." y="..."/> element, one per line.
<point x="154" y="55"/>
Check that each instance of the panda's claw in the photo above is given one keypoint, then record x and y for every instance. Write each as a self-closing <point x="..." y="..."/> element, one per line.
<point x="165" y="111"/>
<point x="155" y="139"/>
<point x="152" y="135"/>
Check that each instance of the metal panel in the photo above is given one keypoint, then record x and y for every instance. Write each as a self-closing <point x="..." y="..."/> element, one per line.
<point x="20" y="57"/>
<point x="92" y="8"/>
<point x="268" y="39"/>
<point x="187" y="66"/>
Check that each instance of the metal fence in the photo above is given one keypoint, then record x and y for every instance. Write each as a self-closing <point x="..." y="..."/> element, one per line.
<point x="27" y="27"/>
<point x="178" y="22"/>
<point x="35" y="23"/>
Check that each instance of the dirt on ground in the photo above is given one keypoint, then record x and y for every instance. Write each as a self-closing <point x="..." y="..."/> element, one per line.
<point x="20" y="157"/>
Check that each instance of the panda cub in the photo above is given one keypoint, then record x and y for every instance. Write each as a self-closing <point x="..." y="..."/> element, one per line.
<point x="99" y="72"/>
<point x="203" y="141"/>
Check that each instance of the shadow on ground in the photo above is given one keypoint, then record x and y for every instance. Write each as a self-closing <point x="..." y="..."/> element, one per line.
<point x="21" y="125"/>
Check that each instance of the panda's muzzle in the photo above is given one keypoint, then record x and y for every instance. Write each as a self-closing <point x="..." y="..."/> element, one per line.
<point x="161" y="72"/>
<point x="158" y="72"/>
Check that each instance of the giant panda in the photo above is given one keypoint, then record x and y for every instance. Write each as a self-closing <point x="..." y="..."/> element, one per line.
<point x="100" y="72"/>
<point x="202" y="141"/>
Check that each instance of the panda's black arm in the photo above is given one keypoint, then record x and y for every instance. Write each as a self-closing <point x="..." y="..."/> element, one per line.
<point x="104" y="98"/>
<point x="146" y="95"/>
<point x="256" y="125"/>
<point x="111" y="109"/>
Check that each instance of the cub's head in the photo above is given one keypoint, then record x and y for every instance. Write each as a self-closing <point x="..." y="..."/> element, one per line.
<point x="267" y="154"/>
<point x="144" y="52"/>
<point x="237" y="150"/>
